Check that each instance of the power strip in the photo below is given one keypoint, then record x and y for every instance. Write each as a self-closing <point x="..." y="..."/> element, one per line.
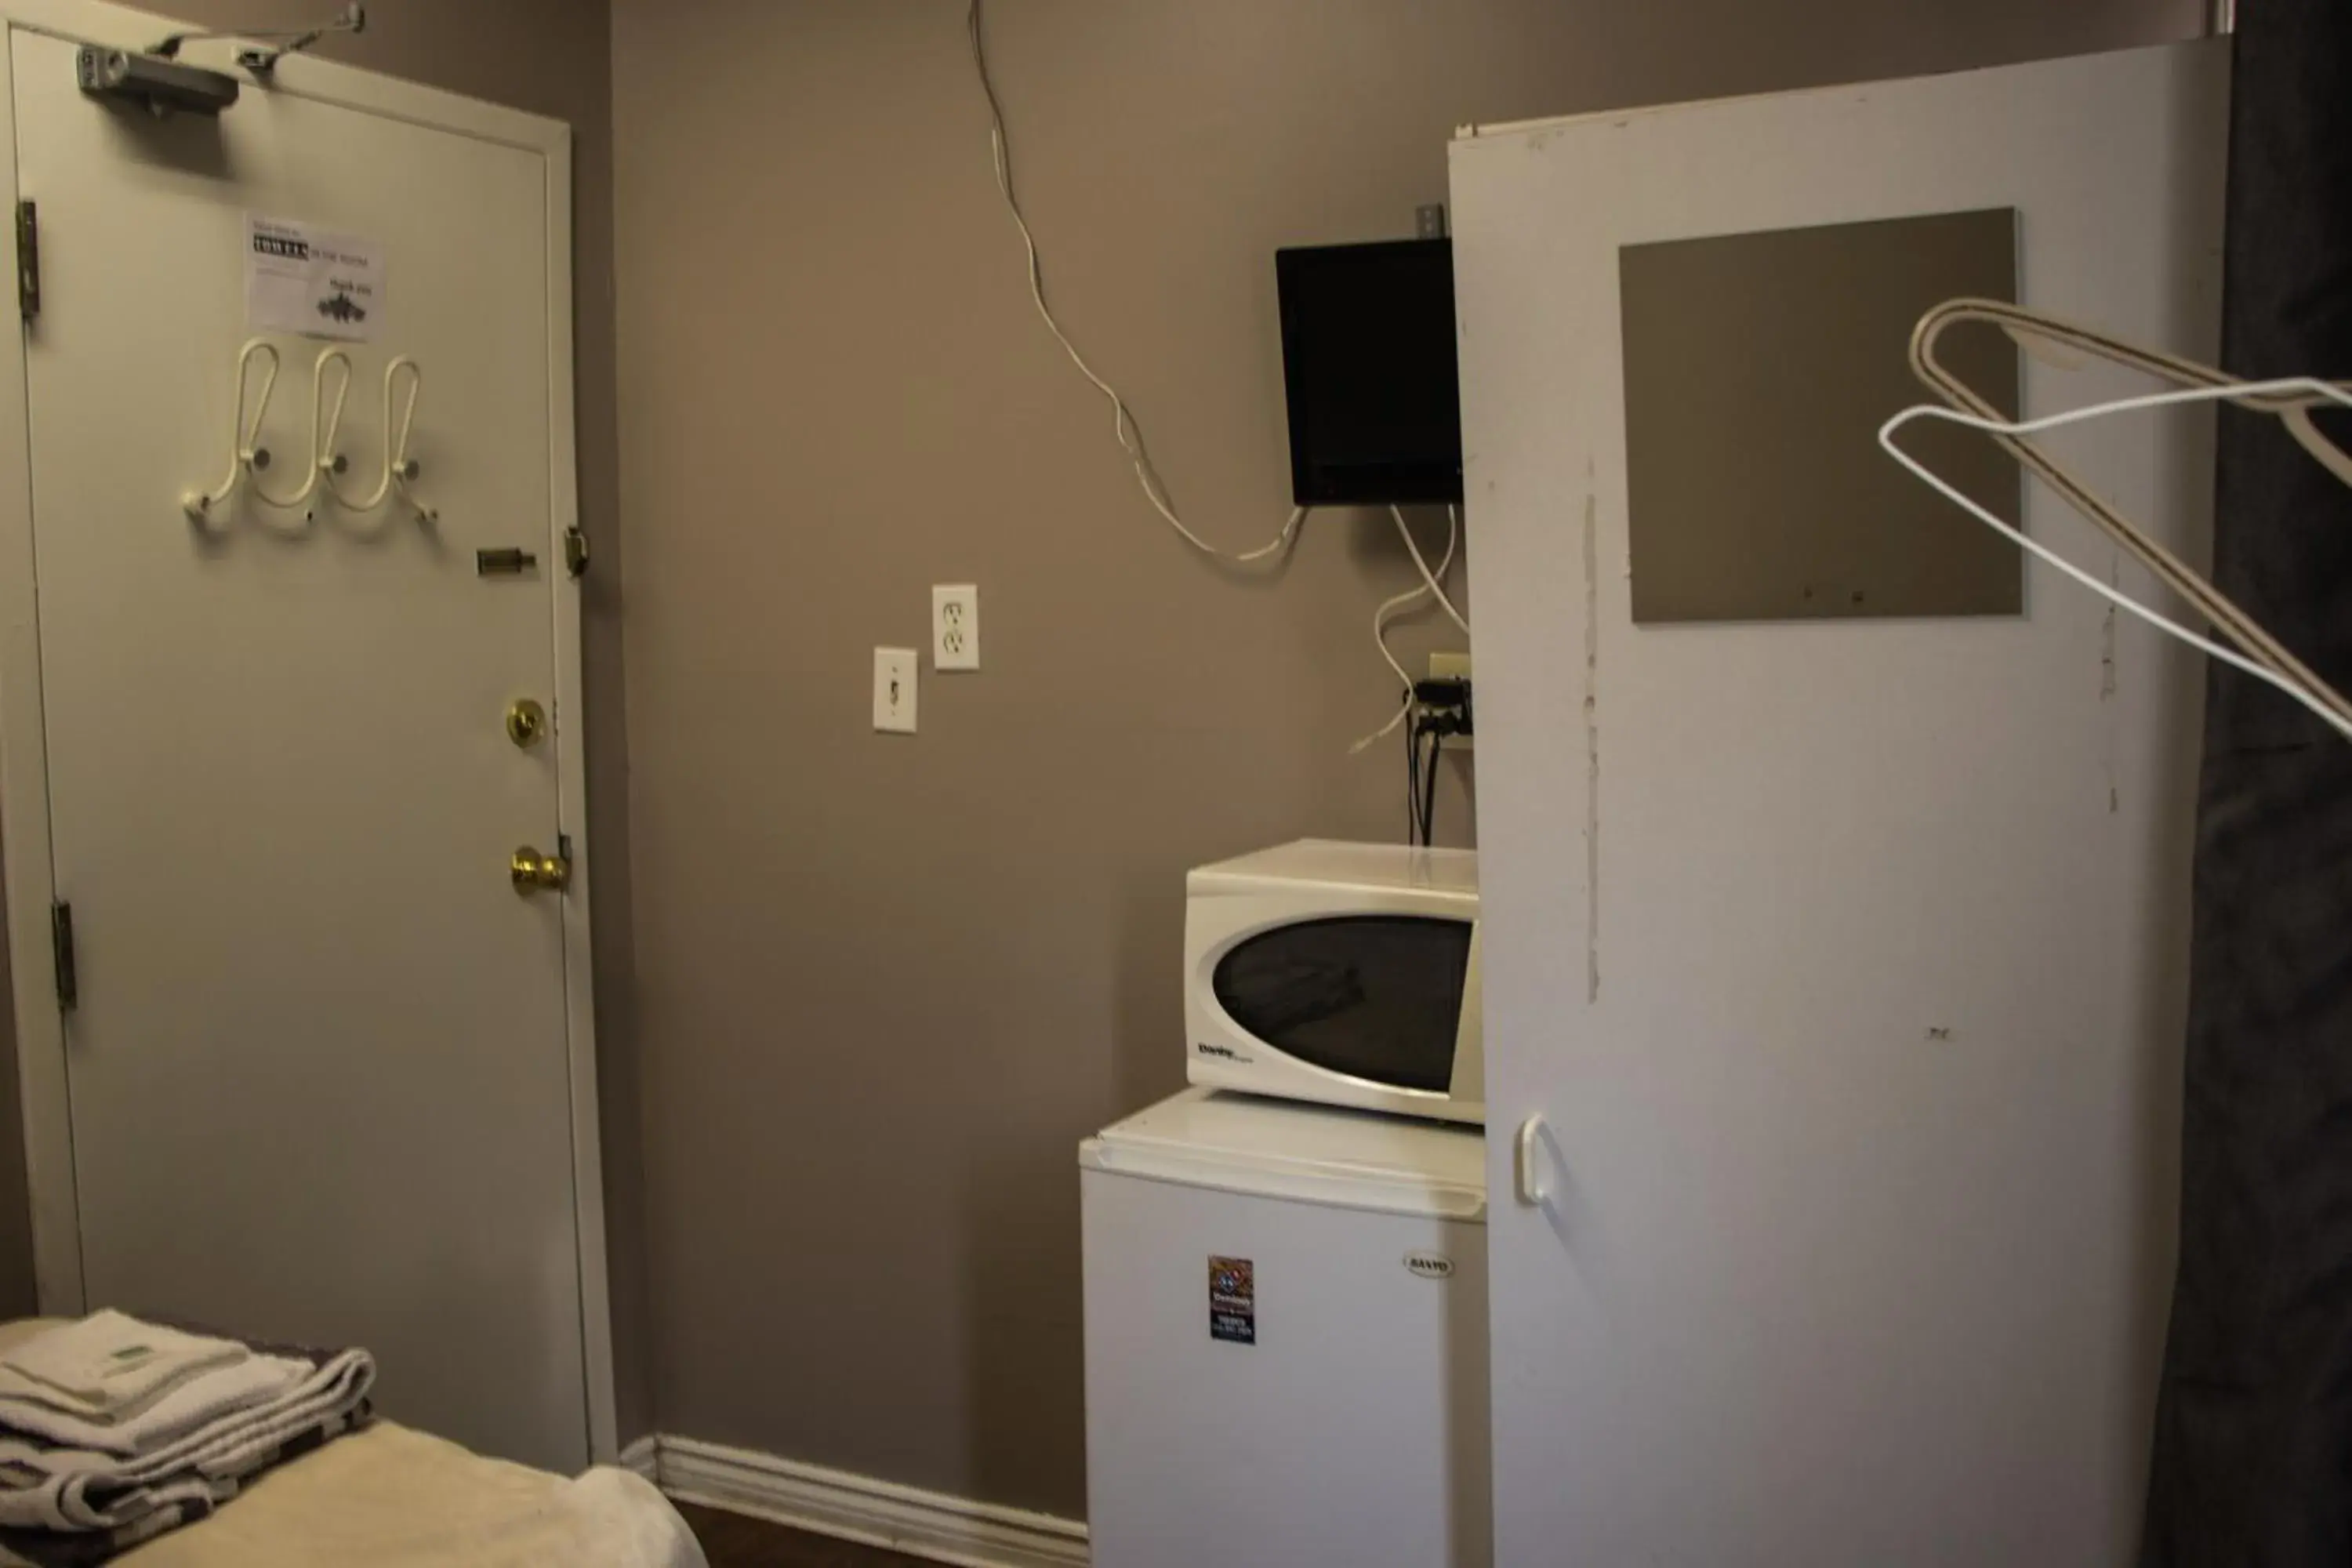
<point x="1451" y="667"/>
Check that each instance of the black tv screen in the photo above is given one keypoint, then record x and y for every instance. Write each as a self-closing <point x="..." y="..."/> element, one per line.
<point x="1367" y="366"/>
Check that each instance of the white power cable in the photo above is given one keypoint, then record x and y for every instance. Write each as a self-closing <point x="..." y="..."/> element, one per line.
<point x="1435" y="587"/>
<point x="1123" y="423"/>
<point x="2235" y="391"/>
<point x="1390" y="606"/>
<point x="1130" y="434"/>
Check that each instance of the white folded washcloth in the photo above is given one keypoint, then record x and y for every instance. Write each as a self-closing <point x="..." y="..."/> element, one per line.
<point x="200" y="1395"/>
<point x="109" y="1365"/>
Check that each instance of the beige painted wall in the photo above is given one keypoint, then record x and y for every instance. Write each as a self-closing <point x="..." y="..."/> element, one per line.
<point x="550" y="57"/>
<point x="886" y="982"/>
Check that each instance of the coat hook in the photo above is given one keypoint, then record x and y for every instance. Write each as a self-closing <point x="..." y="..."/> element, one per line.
<point x="248" y="458"/>
<point x="243" y="454"/>
<point x="399" y="467"/>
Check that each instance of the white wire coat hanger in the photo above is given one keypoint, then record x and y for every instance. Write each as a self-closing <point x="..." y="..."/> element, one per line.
<point x="2291" y="399"/>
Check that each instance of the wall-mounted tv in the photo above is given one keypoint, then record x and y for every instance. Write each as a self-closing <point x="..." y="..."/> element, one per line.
<point x="1368" y="369"/>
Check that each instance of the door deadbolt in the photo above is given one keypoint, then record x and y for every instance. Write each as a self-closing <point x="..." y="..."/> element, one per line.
<point x="526" y="722"/>
<point x="536" y="873"/>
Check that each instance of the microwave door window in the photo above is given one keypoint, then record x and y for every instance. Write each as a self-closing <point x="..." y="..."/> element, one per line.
<point x="1378" y="998"/>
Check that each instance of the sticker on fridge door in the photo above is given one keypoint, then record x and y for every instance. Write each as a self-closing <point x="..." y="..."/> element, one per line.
<point x="1232" y="1300"/>
<point x="302" y="279"/>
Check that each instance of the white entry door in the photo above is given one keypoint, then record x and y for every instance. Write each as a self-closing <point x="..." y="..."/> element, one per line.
<point x="1833" y="969"/>
<point x="320" y="1066"/>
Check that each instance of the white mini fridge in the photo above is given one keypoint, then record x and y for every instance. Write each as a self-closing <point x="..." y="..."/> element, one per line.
<point x="1285" y="1338"/>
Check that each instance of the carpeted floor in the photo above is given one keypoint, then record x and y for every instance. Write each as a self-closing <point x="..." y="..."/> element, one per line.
<point x="736" y="1541"/>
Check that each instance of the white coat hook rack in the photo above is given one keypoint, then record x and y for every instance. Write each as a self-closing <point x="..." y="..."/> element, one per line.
<point x="399" y="467"/>
<point x="247" y="457"/>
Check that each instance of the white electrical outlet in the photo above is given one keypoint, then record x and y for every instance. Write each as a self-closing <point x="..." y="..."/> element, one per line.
<point x="955" y="626"/>
<point x="894" y="689"/>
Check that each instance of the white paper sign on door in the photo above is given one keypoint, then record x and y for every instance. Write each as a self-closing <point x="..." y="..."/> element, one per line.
<point x="298" y="278"/>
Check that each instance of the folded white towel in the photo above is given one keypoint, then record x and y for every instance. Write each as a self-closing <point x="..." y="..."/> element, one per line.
<point x="109" y="1365"/>
<point x="189" y="1406"/>
<point x="65" y="1489"/>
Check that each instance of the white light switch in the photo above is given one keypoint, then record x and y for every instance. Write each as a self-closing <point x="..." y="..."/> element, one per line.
<point x="894" y="689"/>
<point x="955" y="626"/>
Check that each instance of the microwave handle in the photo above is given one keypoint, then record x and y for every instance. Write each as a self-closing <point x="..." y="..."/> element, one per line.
<point x="1528" y="1157"/>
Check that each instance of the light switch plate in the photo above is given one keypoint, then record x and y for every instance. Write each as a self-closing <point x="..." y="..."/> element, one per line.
<point x="894" y="689"/>
<point x="955" y="626"/>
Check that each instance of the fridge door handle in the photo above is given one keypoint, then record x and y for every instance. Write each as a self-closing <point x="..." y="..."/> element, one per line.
<point x="1526" y="1159"/>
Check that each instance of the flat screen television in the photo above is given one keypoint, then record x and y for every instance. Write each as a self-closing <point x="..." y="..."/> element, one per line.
<point x="1368" y="372"/>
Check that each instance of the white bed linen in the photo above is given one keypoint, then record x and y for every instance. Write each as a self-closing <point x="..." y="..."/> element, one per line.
<point x="393" y="1498"/>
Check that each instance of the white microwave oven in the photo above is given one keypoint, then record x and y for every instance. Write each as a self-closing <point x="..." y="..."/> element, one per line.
<point x="1346" y="973"/>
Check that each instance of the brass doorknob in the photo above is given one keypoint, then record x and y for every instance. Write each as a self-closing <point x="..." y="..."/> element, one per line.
<point x="536" y="873"/>
<point x="526" y="722"/>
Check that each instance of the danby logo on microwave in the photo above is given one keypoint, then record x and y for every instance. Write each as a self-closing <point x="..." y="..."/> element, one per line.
<point x="1224" y="1053"/>
<point x="1429" y="1265"/>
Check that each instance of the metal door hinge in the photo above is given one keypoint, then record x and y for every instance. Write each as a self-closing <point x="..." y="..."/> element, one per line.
<point x="61" y="942"/>
<point x="28" y="260"/>
<point x="575" y="551"/>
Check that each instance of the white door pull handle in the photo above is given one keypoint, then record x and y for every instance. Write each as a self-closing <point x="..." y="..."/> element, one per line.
<point x="1529" y="1152"/>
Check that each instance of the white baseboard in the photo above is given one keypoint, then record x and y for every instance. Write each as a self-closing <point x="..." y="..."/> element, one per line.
<point x="920" y="1523"/>
<point x="644" y="1457"/>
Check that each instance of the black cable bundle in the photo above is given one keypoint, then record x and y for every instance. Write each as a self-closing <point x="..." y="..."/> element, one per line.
<point x="1443" y="709"/>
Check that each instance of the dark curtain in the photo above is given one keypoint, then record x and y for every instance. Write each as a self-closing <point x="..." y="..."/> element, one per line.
<point x="2252" y="1461"/>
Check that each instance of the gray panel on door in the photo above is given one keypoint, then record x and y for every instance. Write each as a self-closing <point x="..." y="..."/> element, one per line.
<point x="1759" y="368"/>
